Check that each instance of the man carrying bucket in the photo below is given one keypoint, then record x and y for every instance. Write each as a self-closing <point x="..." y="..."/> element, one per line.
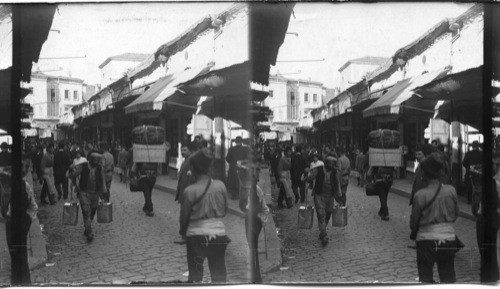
<point x="326" y="189"/>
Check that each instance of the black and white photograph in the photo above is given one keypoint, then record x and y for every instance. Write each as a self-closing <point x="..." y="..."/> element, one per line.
<point x="288" y="143"/>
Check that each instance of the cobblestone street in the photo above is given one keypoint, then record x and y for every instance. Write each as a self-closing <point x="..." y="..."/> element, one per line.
<point x="133" y="248"/>
<point x="367" y="249"/>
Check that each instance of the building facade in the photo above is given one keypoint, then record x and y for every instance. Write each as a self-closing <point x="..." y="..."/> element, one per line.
<point x="115" y="66"/>
<point x="52" y="98"/>
<point x="354" y="70"/>
<point x="292" y="101"/>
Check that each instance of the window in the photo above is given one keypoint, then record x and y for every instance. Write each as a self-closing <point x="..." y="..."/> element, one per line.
<point x="315" y="98"/>
<point x="306" y="97"/>
<point x="292" y="98"/>
<point x="66" y="94"/>
<point x="75" y="95"/>
<point x="271" y="93"/>
<point x="52" y="94"/>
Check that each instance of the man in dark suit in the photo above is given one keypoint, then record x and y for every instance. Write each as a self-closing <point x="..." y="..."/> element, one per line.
<point x="299" y="164"/>
<point x="62" y="161"/>
<point x="236" y="153"/>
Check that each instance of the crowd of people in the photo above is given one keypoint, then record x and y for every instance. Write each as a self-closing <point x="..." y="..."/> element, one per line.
<point x="300" y="173"/>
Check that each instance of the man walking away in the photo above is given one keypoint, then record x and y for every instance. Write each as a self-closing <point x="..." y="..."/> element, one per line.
<point x="109" y="166"/>
<point x="472" y="157"/>
<point x="62" y="162"/>
<point x="203" y="208"/>
<point x="47" y="171"/>
<point x="434" y="210"/>
<point x="236" y="153"/>
<point x="146" y="173"/>
<point x="299" y="164"/>
<point x="123" y="156"/>
<point x="361" y="167"/>
<point x="344" y="167"/>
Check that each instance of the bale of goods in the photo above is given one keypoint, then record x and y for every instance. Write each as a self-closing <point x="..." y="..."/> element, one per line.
<point x="149" y="153"/>
<point x="385" y="157"/>
<point x="384" y="138"/>
<point x="148" y="135"/>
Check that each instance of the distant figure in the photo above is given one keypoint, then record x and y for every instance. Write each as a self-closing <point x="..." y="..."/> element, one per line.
<point x="108" y="166"/>
<point x="236" y="153"/>
<point x="284" y="166"/>
<point x="185" y="177"/>
<point x="123" y="159"/>
<point x="62" y="161"/>
<point x="472" y="157"/>
<point x="299" y="164"/>
<point x="47" y="171"/>
<point x="361" y="167"/>
<point x="344" y="167"/>
<point x="421" y="152"/>
<point x="5" y="155"/>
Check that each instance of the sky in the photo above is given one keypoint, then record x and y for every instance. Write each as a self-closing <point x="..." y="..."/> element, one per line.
<point x="98" y="31"/>
<point x="336" y="32"/>
<point x="343" y="31"/>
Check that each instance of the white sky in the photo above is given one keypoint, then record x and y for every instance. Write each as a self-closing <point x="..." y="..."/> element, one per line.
<point x="103" y="30"/>
<point x="343" y="31"/>
<point x="337" y="32"/>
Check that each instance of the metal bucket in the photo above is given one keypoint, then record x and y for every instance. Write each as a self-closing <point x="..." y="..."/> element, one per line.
<point x="339" y="216"/>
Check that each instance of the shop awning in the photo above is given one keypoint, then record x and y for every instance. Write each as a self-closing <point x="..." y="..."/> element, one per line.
<point x="269" y="23"/>
<point x="164" y="88"/>
<point x="231" y="80"/>
<point x="390" y="103"/>
<point x="465" y="86"/>
<point x="462" y="94"/>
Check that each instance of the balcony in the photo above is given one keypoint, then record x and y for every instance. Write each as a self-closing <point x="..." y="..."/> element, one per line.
<point x="292" y="113"/>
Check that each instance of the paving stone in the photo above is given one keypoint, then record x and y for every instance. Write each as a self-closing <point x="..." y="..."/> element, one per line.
<point x="367" y="249"/>
<point x="133" y="247"/>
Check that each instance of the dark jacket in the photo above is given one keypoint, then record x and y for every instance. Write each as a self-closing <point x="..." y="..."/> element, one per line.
<point x="62" y="161"/>
<point x="299" y="164"/>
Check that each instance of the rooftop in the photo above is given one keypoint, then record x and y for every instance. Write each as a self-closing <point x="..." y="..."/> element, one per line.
<point x="282" y="78"/>
<point x="373" y="60"/>
<point x="41" y="75"/>
<point x="139" y="57"/>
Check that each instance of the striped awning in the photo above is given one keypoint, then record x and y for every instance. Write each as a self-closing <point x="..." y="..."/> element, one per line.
<point x="164" y="88"/>
<point x="390" y="103"/>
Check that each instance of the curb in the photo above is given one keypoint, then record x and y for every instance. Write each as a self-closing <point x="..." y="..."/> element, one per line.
<point x="37" y="247"/>
<point x="407" y="195"/>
